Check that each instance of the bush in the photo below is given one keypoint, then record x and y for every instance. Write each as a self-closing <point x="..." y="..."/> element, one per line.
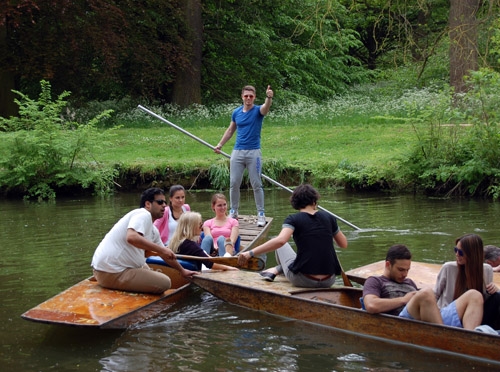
<point x="48" y="151"/>
<point x="462" y="158"/>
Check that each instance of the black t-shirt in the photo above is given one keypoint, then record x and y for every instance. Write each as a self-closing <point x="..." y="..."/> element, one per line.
<point x="190" y="248"/>
<point x="313" y="235"/>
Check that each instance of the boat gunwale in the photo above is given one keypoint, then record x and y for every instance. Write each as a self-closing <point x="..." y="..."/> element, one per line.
<point x="441" y="334"/>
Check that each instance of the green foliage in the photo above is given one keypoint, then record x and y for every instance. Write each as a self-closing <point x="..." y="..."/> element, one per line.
<point x="48" y="152"/>
<point x="218" y="174"/>
<point x="298" y="47"/>
<point x="462" y="158"/>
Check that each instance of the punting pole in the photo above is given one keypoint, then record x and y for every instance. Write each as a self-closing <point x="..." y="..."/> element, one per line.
<point x="229" y="156"/>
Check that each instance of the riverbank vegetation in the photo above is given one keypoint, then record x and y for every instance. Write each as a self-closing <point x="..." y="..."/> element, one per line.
<point x="393" y="96"/>
<point x="418" y="140"/>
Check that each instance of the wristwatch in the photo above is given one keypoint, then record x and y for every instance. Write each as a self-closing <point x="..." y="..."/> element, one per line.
<point x="250" y="253"/>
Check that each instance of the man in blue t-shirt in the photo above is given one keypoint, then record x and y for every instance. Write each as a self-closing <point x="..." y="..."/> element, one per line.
<point x="247" y="120"/>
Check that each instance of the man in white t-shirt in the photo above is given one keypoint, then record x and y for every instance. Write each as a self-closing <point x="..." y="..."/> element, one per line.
<point x="119" y="261"/>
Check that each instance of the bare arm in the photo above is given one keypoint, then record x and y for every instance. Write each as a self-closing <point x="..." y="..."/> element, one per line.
<point x="264" y="109"/>
<point x="270" y="245"/>
<point x="235" y="232"/>
<point x="217" y="266"/>
<point x="226" y="136"/>
<point x="375" y="304"/>
<point x="207" y="231"/>
<point x="340" y="239"/>
<point x="137" y="240"/>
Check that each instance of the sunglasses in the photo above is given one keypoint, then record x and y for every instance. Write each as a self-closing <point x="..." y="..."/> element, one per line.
<point x="248" y="96"/>
<point x="160" y="202"/>
<point x="459" y="251"/>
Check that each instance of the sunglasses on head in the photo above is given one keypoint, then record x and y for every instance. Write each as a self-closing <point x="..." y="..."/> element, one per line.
<point x="160" y="202"/>
<point x="459" y="251"/>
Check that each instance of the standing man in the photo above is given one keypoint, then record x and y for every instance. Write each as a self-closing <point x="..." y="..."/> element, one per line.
<point x="247" y="121"/>
<point x="393" y="293"/>
<point x="119" y="261"/>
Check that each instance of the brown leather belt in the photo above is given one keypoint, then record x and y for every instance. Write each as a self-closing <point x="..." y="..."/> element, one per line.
<point x="318" y="280"/>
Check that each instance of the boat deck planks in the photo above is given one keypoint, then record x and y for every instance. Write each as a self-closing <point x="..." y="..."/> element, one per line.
<point x="87" y="304"/>
<point x="251" y="234"/>
<point x="422" y="273"/>
<point x="339" y="307"/>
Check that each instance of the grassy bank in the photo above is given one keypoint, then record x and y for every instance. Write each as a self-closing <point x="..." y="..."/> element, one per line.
<point x="320" y="151"/>
<point x="373" y="138"/>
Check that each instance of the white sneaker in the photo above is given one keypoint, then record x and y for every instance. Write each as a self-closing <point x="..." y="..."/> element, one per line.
<point x="233" y="214"/>
<point x="261" y="220"/>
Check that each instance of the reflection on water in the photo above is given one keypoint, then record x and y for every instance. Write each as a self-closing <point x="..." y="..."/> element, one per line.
<point x="48" y="247"/>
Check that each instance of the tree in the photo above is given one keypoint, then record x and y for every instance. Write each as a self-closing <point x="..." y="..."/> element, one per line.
<point x="187" y="85"/>
<point x="97" y="49"/>
<point x="463" y="41"/>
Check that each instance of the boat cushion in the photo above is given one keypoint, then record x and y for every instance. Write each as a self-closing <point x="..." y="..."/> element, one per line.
<point x="159" y="261"/>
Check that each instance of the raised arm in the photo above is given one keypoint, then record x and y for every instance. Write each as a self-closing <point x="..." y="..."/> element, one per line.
<point x="264" y="109"/>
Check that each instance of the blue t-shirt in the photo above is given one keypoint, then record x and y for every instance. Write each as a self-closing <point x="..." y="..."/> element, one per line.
<point x="248" y="128"/>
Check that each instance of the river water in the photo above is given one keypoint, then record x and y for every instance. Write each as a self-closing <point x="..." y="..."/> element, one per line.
<point x="48" y="247"/>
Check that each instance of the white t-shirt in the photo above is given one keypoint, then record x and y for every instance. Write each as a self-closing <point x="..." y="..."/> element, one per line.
<point x="114" y="254"/>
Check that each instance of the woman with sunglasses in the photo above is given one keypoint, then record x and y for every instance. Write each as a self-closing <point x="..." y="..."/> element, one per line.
<point x="467" y="276"/>
<point x="176" y="207"/>
<point x="185" y="241"/>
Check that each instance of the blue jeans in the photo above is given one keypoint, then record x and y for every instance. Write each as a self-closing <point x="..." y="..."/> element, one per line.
<point x="207" y="244"/>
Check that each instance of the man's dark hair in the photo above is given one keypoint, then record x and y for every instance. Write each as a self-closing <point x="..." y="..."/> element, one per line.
<point x="149" y="195"/>
<point x="303" y="195"/>
<point x="398" y="252"/>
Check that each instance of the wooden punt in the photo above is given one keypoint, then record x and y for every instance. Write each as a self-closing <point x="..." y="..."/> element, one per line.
<point x="87" y="304"/>
<point x="251" y="234"/>
<point x="339" y="307"/>
<point x="422" y="273"/>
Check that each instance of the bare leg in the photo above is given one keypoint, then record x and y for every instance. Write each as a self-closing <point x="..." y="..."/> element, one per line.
<point x="423" y="307"/>
<point x="470" y="308"/>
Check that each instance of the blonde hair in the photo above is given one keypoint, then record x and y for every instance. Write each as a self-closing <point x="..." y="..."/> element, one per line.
<point x="187" y="228"/>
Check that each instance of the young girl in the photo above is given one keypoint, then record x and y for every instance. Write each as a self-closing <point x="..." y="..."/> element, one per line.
<point x="221" y="232"/>
<point x="176" y="207"/>
<point x="186" y="237"/>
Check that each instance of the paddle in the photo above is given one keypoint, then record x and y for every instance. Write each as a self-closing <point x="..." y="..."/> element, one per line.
<point x="254" y="263"/>
<point x="229" y="156"/>
<point x="345" y="278"/>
